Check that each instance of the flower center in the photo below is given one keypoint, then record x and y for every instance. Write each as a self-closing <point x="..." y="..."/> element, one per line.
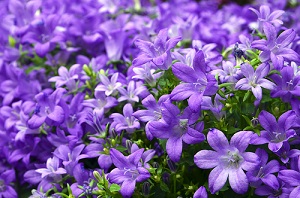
<point x="232" y="159"/>
<point x="133" y="173"/>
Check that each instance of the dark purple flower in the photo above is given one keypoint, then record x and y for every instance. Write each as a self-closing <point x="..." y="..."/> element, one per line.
<point x="254" y="80"/>
<point x="228" y="160"/>
<point x="286" y="153"/>
<point x="276" y="48"/>
<point x="126" y="121"/>
<point x="6" y="190"/>
<point x="157" y="52"/>
<point x="291" y="178"/>
<point x="275" y="133"/>
<point x="262" y="173"/>
<point x="176" y="127"/>
<point x="49" y="109"/>
<point x="196" y="83"/>
<point x="128" y="171"/>
<point x="277" y="189"/>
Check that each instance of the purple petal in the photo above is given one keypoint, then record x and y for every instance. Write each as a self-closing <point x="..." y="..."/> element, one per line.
<point x="195" y="101"/>
<point x="200" y="193"/>
<point x="238" y="181"/>
<point x="42" y="49"/>
<point x="267" y="121"/>
<point x="217" y="140"/>
<point x="291" y="177"/>
<point x="193" y="136"/>
<point x="241" y="140"/>
<point x="286" y="37"/>
<point x="184" y="73"/>
<point x="119" y="159"/>
<point x="128" y="187"/>
<point x="36" y="121"/>
<point x="217" y="179"/>
<point x="251" y="160"/>
<point x="295" y="192"/>
<point x="207" y="159"/>
<point x="270" y="32"/>
<point x="174" y="148"/>
<point x="58" y="115"/>
<point x="271" y="181"/>
<point x="182" y="91"/>
<point x="199" y="62"/>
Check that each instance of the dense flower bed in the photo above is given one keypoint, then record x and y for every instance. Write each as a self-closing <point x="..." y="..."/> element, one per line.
<point x="113" y="98"/>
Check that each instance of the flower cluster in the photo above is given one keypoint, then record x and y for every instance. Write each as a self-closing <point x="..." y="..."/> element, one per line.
<point x="149" y="98"/>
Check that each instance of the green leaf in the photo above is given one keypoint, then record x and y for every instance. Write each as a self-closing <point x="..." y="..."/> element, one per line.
<point x="114" y="188"/>
<point x="246" y="96"/>
<point x="164" y="187"/>
<point x="121" y="148"/>
<point x="225" y="85"/>
<point x="247" y="120"/>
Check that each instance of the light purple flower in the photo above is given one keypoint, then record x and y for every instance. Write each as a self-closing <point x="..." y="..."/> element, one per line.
<point x="128" y="171"/>
<point x="275" y="133"/>
<point x="276" y="48"/>
<point x="134" y="89"/>
<point x="108" y="86"/>
<point x="52" y="169"/>
<point x="254" y="80"/>
<point x="126" y="121"/>
<point x="157" y="52"/>
<point x="228" y="160"/>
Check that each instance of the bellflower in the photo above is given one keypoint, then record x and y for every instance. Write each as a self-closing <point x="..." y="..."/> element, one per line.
<point x="262" y="173"/>
<point x="157" y="52"/>
<point x="108" y="86"/>
<point x="52" y="169"/>
<point x="286" y="153"/>
<point x="291" y="178"/>
<point x="287" y="85"/>
<point x="49" y="109"/>
<point x="152" y="114"/>
<point x="195" y="82"/>
<point x="278" y="189"/>
<point x="276" y="48"/>
<point x="128" y="171"/>
<point x="176" y="128"/>
<point x="6" y="177"/>
<point x="132" y="92"/>
<point x="265" y="16"/>
<point x="228" y="160"/>
<point x="146" y="73"/>
<point x="126" y="121"/>
<point x="66" y="77"/>
<point x="275" y="133"/>
<point x="254" y="80"/>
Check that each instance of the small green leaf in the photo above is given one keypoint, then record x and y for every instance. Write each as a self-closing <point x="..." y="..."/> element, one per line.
<point x="246" y="96"/>
<point x="164" y="187"/>
<point x="114" y="188"/>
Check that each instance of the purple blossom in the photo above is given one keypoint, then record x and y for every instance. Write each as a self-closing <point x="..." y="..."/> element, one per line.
<point x="215" y="106"/>
<point x="157" y="52"/>
<point x="49" y="109"/>
<point x="287" y="84"/>
<point x="6" y="190"/>
<point x="126" y="121"/>
<point x="291" y="178"/>
<point x="52" y="169"/>
<point x="277" y="189"/>
<point x="152" y="114"/>
<point x="265" y="16"/>
<point x="262" y="173"/>
<point x="66" y="77"/>
<point x="229" y="73"/>
<point x="286" y="153"/>
<point x="146" y="73"/>
<point x="128" y="171"/>
<point x="200" y="193"/>
<point x="111" y="86"/>
<point x="176" y="128"/>
<point x="275" y="133"/>
<point x="132" y="92"/>
<point x="196" y="83"/>
<point x="228" y="160"/>
<point x="254" y="80"/>
<point x="276" y="48"/>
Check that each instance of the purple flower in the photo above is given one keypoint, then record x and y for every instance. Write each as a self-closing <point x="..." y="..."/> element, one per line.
<point x="215" y="106"/>
<point x="108" y="86"/>
<point x="146" y="73"/>
<point x="275" y="133"/>
<point x="126" y="121"/>
<point x="6" y="177"/>
<point x="66" y="77"/>
<point x="228" y="74"/>
<point x="49" y="109"/>
<point x="157" y="52"/>
<point x="287" y="85"/>
<point x="146" y="157"/>
<point x="176" y="128"/>
<point x="101" y="104"/>
<point x="128" y="171"/>
<point x="277" y="189"/>
<point x="255" y="80"/>
<point x="262" y="173"/>
<point x="196" y="83"/>
<point x="228" y="160"/>
<point x="134" y="89"/>
<point x="291" y="178"/>
<point x="265" y="16"/>
<point x="52" y="169"/>
<point x="275" y="48"/>
<point x="286" y="153"/>
<point x="152" y="114"/>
